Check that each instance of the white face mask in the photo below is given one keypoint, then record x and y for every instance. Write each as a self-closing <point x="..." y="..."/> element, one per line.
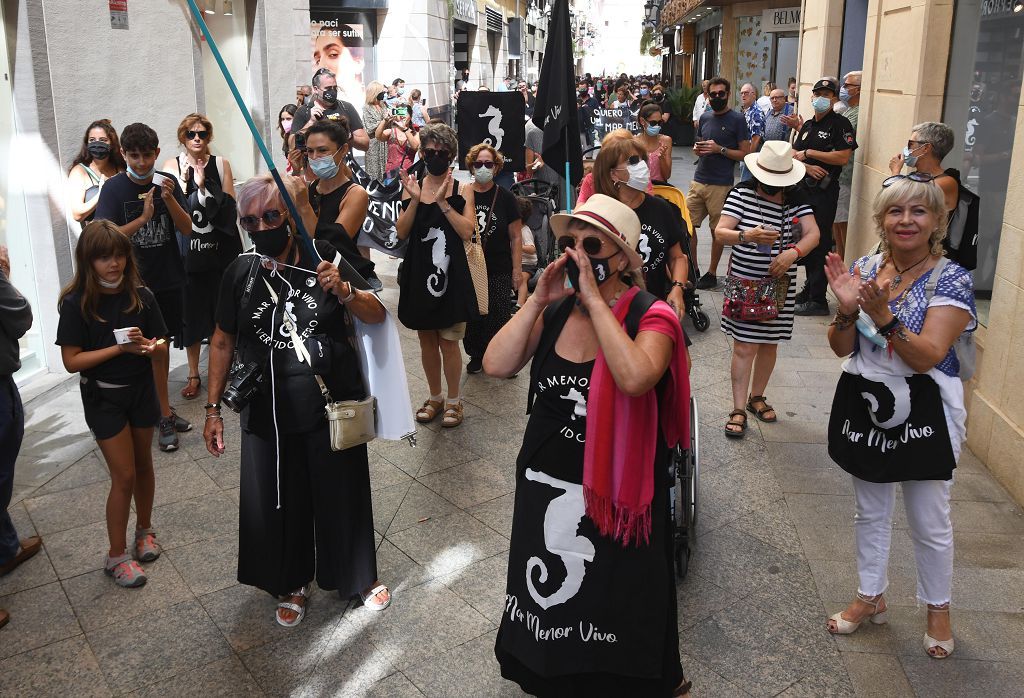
<point x="111" y="284"/>
<point x="483" y="175"/>
<point x="639" y="176"/>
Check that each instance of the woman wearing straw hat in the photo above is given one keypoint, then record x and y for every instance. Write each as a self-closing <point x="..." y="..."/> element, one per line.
<point x="591" y="517"/>
<point x="759" y="223"/>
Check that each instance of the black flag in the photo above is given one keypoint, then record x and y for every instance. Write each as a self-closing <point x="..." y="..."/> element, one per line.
<point x="555" y="111"/>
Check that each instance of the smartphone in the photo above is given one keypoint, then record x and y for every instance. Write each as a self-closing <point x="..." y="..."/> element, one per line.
<point x="572" y="271"/>
<point x="400" y="111"/>
<point x="300" y="141"/>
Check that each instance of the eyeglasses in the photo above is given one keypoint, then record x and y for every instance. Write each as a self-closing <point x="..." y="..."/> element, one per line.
<point x="489" y="164"/>
<point x="913" y="176"/>
<point x="631" y="160"/>
<point x="271" y="217"/>
<point x="189" y="135"/>
<point x="850" y="84"/>
<point x="721" y="93"/>
<point x="591" y="244"/>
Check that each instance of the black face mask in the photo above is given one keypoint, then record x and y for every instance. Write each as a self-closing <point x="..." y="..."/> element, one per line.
<point x="381" y="96"/>
<point x="437" y="164"/>
<point x="330" y="95"/>
<point x="718" y="103"/>
<point x="769" y="189"/>
<point x="657" y="96"/>
<point x="272" y="241"/>
<point x="99" y="150"/>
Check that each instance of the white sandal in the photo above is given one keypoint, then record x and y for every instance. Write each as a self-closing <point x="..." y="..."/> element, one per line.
<point x="930" y="643"/>
<point x="370" y="602"/>
<point x="288" y="606"/>
<point x="846" y="627"/>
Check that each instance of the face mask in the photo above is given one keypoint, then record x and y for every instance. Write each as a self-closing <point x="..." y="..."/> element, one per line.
<point x="271" y="242"/>
<point x="600" y="85"/>
<point x="769" y="189"/>
<point x="141" y="176"/>
<point x="844" y="95"/>
<point x="111" y="284"/>
<point x="483" y="175"/>
<point x="653" y="130"/>
<point x="437" y="164"/>
<point x="718" y="103"/>
<point x="401" y="91"/>
<point x="644" y="92"/>
<point x="584" y="94"/>
<point x="286" y="125"/>
<point x="658" y="96"/>
<point x="330" y="95"/>
<point x="639" y="176"/>
<point x="602" y="268"/>
<point x="324" y="167"/>
<point x="381" y="96"/>
<point x="909" y="159"/>
<point x="821" y="105"/>
<point x="99" y="150"/>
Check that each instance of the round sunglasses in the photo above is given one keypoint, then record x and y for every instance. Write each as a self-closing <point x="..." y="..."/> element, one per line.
<point x="591" y="244"/>
<point x="271" y="217"/>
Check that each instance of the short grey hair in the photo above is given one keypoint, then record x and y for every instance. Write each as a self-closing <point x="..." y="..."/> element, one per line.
<point x="854" y="74"/>
<point x="441" y="135"/>
<point x="938" y="134"/>
<point x="320" y="75"/>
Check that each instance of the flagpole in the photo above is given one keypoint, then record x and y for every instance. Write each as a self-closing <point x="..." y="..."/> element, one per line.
<point x="568" y="182"/>
<point x="303" y="234"/>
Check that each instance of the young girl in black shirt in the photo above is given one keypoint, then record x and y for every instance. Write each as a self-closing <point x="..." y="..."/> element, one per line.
<point x="106" y="316"/>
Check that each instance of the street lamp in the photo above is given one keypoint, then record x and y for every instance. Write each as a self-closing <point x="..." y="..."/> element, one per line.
<point x="650" y="10"/>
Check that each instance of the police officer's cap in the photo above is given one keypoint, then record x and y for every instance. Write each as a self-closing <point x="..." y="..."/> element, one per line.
<point x="826" y="84"/>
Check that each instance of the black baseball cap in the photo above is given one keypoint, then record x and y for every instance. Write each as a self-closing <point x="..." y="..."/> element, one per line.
<point x="826" y="84"/>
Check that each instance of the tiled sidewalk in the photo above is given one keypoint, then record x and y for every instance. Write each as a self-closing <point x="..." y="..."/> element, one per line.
<point x="774" y="557"/>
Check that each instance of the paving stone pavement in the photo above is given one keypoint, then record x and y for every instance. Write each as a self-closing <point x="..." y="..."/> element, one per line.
<point x="774" y="558"/>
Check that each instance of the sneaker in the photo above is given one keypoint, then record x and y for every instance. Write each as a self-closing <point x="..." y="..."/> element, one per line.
<point x="476" y="365"/>
<point x="168" y="440"/>
<point x="375" y="283"/>
<point x="801" y="296"/>
<point x="708" y="281"/>
<point x="812" y="308"/>
<point x="180" y="423"/>
<point x="125" y="571"/>
<point x="146" y="547"/>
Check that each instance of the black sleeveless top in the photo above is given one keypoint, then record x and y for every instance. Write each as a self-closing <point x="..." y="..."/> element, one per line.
<point x="214" y="242"/>
<point x="327" y="208"/>
<point x="436" y="289"/>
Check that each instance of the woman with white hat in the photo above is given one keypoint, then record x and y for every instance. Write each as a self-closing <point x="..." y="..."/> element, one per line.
<point x="591" y="503"/>
<point x="768" y="235"/>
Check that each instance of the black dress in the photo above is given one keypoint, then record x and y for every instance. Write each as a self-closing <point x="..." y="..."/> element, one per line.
<point x="304" y="510"/>
<point x="436" y="289"/>
<point x="327" y="208"/>
<point x="583" y="616"/>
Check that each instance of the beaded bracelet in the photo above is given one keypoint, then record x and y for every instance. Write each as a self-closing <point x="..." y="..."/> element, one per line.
<point x="889" y="327"/>
<point x="843" y="320"/>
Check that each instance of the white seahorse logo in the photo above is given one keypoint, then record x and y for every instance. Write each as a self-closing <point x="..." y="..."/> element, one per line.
<point x="561" y="520"/>
<point x="494" y="127"/>
<point x="644" y="247"/>
<point x="437" y="283"/>
<point x="899" y="389"/>
<point x="580" y="408"/>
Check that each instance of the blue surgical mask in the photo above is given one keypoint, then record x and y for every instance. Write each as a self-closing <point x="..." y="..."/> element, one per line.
<point x="821" y="105"/>
<point x="909" y="159"/>
<point x="324" y="167"/>
<point x="653" y="130"/>
<point x="140" y="175"/>
<point x="844" y="95"/>
<point x="644" y="92"/>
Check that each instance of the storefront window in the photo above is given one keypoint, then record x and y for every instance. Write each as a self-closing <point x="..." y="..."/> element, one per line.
<point x="14" y="223"/>
<point x="982" y="97"/>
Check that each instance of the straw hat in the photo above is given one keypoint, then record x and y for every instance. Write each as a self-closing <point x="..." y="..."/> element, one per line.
<point x="611" y="217"/>
<point x="774" y="165"/>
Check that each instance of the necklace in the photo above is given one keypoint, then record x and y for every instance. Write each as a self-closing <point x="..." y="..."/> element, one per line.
<point x="898" y="279"/>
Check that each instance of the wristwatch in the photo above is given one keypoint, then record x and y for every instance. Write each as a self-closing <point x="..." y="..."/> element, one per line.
<point x="742" y="240"/>
<point x="723" y="150"/>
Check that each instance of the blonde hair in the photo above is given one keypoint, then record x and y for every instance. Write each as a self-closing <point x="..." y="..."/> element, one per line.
<point x="374" y="89"/>
<point x="904" y="191"/>
<point x="474" y="153"/>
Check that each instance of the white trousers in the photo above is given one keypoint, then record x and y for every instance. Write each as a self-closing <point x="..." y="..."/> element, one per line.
<point x="927" y="505"/>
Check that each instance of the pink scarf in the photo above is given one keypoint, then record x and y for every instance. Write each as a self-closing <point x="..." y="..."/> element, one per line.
<point x="618" y="457"/>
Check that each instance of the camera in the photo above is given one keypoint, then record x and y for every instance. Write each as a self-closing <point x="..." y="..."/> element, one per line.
<point x="245" y="382"/>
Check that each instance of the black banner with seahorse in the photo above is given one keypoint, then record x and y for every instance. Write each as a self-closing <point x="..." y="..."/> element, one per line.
<point x="496" y="118"/>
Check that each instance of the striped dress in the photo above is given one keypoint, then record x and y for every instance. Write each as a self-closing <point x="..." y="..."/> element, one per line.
<point x="747" y="262"/>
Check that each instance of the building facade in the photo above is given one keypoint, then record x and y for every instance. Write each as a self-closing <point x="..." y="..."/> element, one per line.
<point x="962" y="64"/>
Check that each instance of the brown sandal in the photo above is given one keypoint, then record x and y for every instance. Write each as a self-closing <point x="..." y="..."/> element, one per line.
<point x="760" y="413"/>
<point x="4" y="617"/>
<point x="429" y="411"/>
<point x="187" y="392"/>
<point x="742" y="425"/>
<point x="452" y="415"/>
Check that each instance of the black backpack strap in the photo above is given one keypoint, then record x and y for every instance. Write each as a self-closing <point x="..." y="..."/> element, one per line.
<point x="642" y="302"/>
<point x="555" y="317"/>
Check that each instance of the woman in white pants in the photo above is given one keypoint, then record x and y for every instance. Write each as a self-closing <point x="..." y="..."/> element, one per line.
<point x="898" y="413"/>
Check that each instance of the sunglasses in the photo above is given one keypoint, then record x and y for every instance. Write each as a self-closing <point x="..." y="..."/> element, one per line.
<point x="272" y="218"/>
<point x="631" y="160"/>
<point x="591" y="244"/>
<point x="722" y="93"/>
<point x="913" y="144"/>
<point x="913" y="176"/>
<point x="431" y="152"/>
<point x="489" y="164"/>
<point x="189" y="135"/>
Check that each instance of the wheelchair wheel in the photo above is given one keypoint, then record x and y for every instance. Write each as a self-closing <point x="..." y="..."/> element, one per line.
<point x="701" y="321"/>
<point x="693" y="463"/>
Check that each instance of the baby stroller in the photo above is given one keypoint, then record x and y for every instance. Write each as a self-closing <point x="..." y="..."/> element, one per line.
<point x="684" y="468"/>
<point x="542" y="196"/>
<point x="700" y="319"/>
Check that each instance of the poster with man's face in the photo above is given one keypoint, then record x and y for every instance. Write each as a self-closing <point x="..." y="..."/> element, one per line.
<point x="337" y="40"/>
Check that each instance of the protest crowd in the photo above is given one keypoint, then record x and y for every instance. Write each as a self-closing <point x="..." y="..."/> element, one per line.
<point x="565" y="253"/>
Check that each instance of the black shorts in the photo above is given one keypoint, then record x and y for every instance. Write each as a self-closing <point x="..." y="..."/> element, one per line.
<point x="201" y="292"/>
<point x="170" y="302"/>
<point x="107" y="410"/>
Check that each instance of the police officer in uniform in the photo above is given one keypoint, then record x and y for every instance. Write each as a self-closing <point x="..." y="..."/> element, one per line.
<point x="824" y="144"/>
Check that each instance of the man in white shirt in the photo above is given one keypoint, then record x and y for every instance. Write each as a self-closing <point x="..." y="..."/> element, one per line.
<point x="701" y="105"/>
